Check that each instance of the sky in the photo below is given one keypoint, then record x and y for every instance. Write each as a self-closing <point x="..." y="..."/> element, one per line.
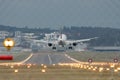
<point x="57" y="13"/>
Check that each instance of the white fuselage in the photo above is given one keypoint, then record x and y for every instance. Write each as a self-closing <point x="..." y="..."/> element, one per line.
<point x="59" y="42"/>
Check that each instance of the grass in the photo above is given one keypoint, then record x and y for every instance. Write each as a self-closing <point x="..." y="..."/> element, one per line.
<point x="96" y="56"/>
<point x="53" y="73"/>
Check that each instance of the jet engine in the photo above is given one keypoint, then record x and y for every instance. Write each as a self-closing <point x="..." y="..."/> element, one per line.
<point x="50" y="44"/>
<point x="74" y="44"/>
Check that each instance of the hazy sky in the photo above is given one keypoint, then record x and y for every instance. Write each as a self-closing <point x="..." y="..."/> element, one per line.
<point x="56" y="13"/>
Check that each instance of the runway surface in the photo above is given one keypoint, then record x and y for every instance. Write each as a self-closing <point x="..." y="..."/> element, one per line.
<point x="49" y="58"/>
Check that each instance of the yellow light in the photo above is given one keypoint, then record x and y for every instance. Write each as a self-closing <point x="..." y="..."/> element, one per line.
<point x="107" y="69"/>
<point x="28" y="66"/>
<point x="43" y="70"/>
<point x="11" y="66"/>
<point x="89" y="68"/>
<point x="81" y="66"/>
<point x="42" y="64"/>
<point x="45" y="66"/>
<point x="8" y="43"/>
<point x="118" y="68"/>
<point x="16" y="70"/>
<point x="85" y="67"/>
<point x="100" y="69"/>
<point x="115" y="70"/>
<point x="94" y="69"/>
<point x="71" y="64"/>
<point x="53" y="64"/>
<point x="112" y="66"/>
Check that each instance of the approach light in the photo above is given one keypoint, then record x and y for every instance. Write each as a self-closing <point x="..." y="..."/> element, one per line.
<point x="16" y="70"/>
<point x="43" y="70"/>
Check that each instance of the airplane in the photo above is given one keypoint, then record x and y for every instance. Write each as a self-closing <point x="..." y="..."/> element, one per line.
<point x="62" y="43"/>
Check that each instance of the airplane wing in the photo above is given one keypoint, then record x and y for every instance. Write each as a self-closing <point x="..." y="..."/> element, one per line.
<point x="44" y="41"/>
<point x="81" y="40"/>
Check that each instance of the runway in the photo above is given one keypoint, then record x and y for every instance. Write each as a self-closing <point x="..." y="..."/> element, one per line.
<point x="48" y="58"/>
<point x="65" y="67"/>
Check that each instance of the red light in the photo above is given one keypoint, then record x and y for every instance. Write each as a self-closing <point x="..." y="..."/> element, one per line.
<point x="90" y="60"/>
<point x="6" y="57"/>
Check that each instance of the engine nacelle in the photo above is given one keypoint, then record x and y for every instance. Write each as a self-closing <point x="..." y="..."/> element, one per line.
<point x="74" y="44"/>
<point x="50" y="44"/>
